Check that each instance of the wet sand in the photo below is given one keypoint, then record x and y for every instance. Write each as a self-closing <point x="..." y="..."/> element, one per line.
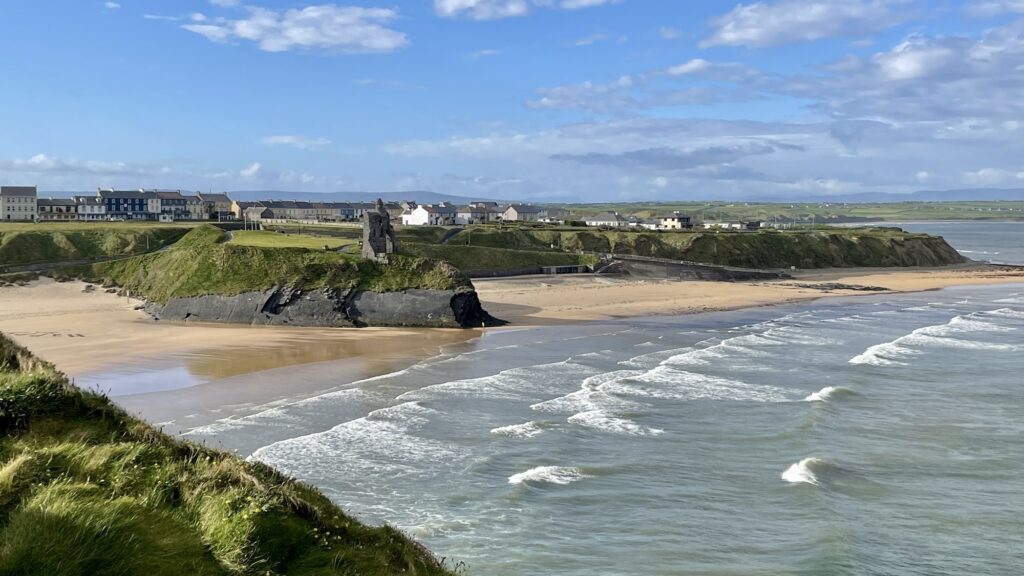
<point x="102" y="342"/>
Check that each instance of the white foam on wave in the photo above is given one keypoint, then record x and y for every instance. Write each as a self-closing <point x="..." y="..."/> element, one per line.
<point x="383" y="441"/>
<point x="282" y="413"/>
<point x="938" y="335"/>
<point x="804" y="471"/>
<point x="668" y="383"/>
<point x="560" y="475"/>
<point x="591" y="396"/>
<point x="1007" y="313"/>
<point x="605" y="422"/>
<point x="827" y="393"/>
<point x="523" y="383"/>
<point x="526" y="430"/>
<point x="646" y="361"/>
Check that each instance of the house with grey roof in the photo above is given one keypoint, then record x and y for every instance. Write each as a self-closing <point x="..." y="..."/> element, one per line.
<point x="18" y="203"/>
<point x="56" y="210"/>
<point x="521" y="213"/>
<point x="607" y="220"/>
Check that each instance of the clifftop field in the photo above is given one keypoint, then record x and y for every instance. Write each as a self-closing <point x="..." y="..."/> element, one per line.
<point x="86" y="489"/>
<point x="203" y="262"/>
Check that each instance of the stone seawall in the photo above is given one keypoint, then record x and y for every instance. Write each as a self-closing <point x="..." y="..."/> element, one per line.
<point x="332" y="308"/>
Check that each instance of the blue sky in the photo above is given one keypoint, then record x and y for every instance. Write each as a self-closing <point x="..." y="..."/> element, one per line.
<point x="531" y="99"/>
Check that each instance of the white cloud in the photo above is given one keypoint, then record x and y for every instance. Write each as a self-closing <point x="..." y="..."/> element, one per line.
<point x="300" y="142"/>
<point x="669" y="33"/>
<point x="111" y="5"/>
<point x="988" y="8"/>
<point x="989" y="176"/>
<point x="328" y="27"/>
<point x="251" y="171"/>
<point x="497" y="9"/>
<point x="787" y="21"/>
<point x="592" y="39"/>
<point x="225" y="3"/>
<point x="46" y="164"/>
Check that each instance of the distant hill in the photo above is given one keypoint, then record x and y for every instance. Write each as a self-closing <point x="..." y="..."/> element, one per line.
<point x="961" y="195"/>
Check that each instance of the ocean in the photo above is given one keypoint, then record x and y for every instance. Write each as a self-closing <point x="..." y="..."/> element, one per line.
<point x="869" y="435"/>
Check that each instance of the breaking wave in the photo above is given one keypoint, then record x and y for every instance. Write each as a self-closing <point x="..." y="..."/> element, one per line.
<point x="527" y="430"/>
<point x="560" y="475"/>
<point x="806" y="471"/>
<point x="827" y="393"/>
<point x="938" y="335"/>
<point x="605" y="422"/>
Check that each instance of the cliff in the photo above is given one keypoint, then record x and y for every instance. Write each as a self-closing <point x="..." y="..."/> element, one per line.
<point x="87" y="489"/>
<point x="826" y="248"/>
<point x="205" y="278"/>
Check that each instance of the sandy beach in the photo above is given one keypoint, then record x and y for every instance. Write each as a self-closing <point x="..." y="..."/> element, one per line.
<point x="83" y="333"/>
<point x="546" y="300"/>
<point x="104" y="343"/>
<point x="86" y="332"/>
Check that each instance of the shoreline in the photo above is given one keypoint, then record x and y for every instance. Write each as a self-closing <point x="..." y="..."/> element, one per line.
<point x="199" y="372"/>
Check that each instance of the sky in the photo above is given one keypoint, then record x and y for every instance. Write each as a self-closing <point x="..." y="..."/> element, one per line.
<point x="540" y="100"/>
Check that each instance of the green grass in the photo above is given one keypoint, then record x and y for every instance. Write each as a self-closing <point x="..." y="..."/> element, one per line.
<point x="33" y="244"/>
<point x="88" y="490"/>
<point x="471" y="259"/>
<point x="202" y="263"/>
<point x="266" y="239"/>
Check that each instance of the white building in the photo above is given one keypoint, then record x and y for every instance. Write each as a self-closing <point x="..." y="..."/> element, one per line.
<point x="606" y="220"/>
<point x="91" y="208"/>
<point x="430" y="216"/>
<point x="675" y="221"/>
<point x="18" y="203"/>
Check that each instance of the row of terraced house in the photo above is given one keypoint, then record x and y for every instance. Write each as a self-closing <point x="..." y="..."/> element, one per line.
<point x="22" y="204"/>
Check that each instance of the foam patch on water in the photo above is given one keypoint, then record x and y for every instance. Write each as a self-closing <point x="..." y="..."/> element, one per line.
<point x="560" y="475"/>
<point x="806" y="471"/>
<point x="605" y="422"/>
<point x="286" y="414"/>
<point x="527" y="430"/>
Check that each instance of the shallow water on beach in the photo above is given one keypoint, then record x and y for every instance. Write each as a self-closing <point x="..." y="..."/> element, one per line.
<point x="877" y="435"/>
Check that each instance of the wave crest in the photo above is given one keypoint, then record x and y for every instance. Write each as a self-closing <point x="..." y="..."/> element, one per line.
<point x="806" y="471"/>
<point x="560" y="475"/>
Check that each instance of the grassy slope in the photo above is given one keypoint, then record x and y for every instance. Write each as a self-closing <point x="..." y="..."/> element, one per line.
<point x="86" y="489"/>
<point x="51" y="243"/>
<point x="202" y="263"/>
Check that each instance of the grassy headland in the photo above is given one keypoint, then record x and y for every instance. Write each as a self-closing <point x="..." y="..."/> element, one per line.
<point x="820" y="248"/>
<point x="33" y="244"/>
<point x="86" y="489"/>
<point x="203" y="263"/>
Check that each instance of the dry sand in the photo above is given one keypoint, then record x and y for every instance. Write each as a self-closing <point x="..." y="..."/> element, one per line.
<point x="544" y="300"/>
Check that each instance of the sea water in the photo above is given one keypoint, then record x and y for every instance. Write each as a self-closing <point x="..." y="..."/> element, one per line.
<point x="870" y="435"/>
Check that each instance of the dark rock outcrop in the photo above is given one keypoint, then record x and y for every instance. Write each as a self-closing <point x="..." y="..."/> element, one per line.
<point x="332" y="308"/>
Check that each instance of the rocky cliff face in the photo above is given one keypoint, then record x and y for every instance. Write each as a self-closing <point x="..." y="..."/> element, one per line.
<point x="332" y="308"/>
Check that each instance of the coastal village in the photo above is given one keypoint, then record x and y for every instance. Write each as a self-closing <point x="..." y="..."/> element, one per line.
<point x="23" y="204"/>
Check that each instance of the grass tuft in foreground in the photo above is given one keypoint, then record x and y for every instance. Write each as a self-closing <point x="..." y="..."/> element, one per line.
<point x="86" y="489"/>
